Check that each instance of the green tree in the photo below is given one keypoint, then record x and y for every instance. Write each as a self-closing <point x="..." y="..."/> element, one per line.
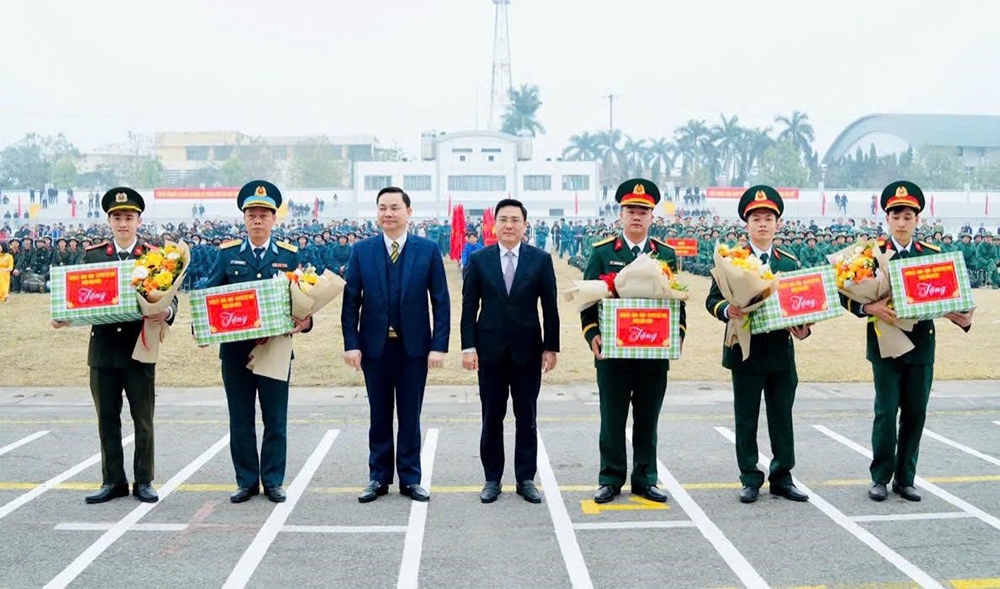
<point x="728" y="140"/>
<point x="148" y="173"/>
<point x="781" y="165"/>
<point x="522" y="112"/>
<point x="232" y="172"/>
<point x="692" y="140"/>
<point x="635" y="156"/>
<point x="940" y="168"/>
<point x="64" y="173"/>
<point x="257" y="160"/>
<point x="314" y="165"/>
<point x="583" y="147"/>
<point x="753" y="144"/>
<point x="662" y="154"/>
<point x="798" y="130"/>
<point x="29" y="162"/>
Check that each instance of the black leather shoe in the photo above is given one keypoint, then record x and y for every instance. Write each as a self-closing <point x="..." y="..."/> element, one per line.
<point x="878" y="492"/>
<point x="241" y="494"/>
<point x="789" y="492"/>
<point x="651" y="493"/>
<point x="107" y="493"/>
<point x="529" y="491"/>
<point x="145" y="492"/>
<point x="491" y="491"/>
<point x="415" y="492"/>
<point x="907" y="492"/>
<point x="749" y="494"/>
<point x="606" y="494"/>
<point x="373" y="491"/>
<point x="275" y="494"/>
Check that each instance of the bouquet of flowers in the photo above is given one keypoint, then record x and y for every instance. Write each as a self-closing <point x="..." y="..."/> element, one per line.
<point x="861" y="278"/>
<point x="745" y="283"/>
<point x="310" y="292"/>
<point x="645" y="278"/>
<point x="156" y="278"/>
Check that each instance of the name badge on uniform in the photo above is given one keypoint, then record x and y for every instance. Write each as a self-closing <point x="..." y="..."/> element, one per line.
<point x="278" y="265"/>
<point x="616" y="263"/>
<point x="238" y="262"/>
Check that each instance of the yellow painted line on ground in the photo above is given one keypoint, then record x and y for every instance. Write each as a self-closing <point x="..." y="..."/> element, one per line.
<point x="970" y="479"/>
<point x="591" y="507"/>
<point x="993" y="583"/>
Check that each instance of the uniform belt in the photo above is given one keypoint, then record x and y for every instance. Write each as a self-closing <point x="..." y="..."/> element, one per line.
<point x="392" y="333"/>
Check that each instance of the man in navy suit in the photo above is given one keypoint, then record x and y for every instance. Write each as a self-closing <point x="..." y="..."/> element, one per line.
<point x="389" y="336"/>
<point x="503" y="339"/>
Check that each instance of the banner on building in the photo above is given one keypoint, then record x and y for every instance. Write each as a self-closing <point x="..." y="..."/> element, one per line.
<point x="195" y="193"/>
<point x="737" y="192"/>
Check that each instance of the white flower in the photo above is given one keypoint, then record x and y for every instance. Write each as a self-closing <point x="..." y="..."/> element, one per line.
<point x="173" y="256"/>
<point x="140" y="273"/>
<point x="858" y="250"/>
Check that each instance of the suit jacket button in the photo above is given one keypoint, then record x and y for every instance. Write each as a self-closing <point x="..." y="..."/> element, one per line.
<point x="118" y="329"/>
<point x="258" y="275"/>
<point x="237" y="273"/>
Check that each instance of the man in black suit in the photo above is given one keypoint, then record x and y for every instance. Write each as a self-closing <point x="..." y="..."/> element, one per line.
<point x="503" y="339"/>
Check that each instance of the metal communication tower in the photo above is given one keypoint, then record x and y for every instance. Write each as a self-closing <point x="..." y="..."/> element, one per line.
<point x="501" y="83"/>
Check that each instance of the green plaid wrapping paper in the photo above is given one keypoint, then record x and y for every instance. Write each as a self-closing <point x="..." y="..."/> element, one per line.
<point x="905" y="309"/>
<point x="611" y="348"/>
<point x="769" y="317"/>
<point x="124" y="310"/>
<point x="273" y="301"/>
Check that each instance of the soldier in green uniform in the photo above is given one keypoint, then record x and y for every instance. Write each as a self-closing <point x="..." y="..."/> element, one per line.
<point x="770" y="367"/>
<point x="641" y="383"/>
<point x="810" y="257"/>
<point x="988" y="257"/>
<point x="903" y="384"/>
<point x="112" y="368"/>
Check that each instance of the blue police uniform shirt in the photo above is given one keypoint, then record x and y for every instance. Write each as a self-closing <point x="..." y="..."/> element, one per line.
<point x="239" y="264"/>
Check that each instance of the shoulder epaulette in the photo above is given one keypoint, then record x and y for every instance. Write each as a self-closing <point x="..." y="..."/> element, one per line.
<point x="287" y="246"/>
<point x="150" y="247"/>
<point x="786" y="253"/>
<point x="228" y="244"/>
<point x="660" y="242"/>
<point x="930" y="246"/>
<point x="96" y="245"/>
<point x="604" y="241"/>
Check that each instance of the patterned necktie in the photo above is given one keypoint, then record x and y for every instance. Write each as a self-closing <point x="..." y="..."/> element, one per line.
<point x="508" y="271"/>
<point x="258" y="252"/>
<point x="763" y="258"/>
<point x="635" y="250"/>
<point x="394" y="254"/>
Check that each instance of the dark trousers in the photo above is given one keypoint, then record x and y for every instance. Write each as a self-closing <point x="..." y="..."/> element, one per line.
<point x="394" y="381"/>
<point x="497" y="381"/>
<point x="15" y="283"/>
<point x="106" y="386"/>
<point x="641" y="383"/>
<point x="243" y="389"/>
<point x="779" y="394"/>
<point x="902" y="389"/>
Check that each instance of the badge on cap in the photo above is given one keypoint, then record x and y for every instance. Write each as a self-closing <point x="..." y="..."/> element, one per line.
<point x="639" y="189"/>
<point x="760" y="196"/>
<point x="261" y="191"/>
<point x="121" y="197"/>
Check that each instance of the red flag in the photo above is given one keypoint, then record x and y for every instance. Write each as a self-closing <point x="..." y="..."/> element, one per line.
<point x="457" y="232"/>
<point x="19" y="206"/>
<point x="932" y="205"/>
<point x="72" y="208"/>
<point x="576" y="203"/>
<point x="489" y="228"/>
<point x="822" y="211"/>
<point x="316" y="207"/>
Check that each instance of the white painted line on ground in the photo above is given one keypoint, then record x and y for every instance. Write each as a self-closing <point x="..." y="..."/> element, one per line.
<point x="894" y="558"/>
<point x="344" y="529"/>
<point x="963" y="448"/>
<point x="62" y="477"/>
<point x="930" y="487"/>
<point x="22" y="442"/>
<point x="579" y="576"/>
<point x="103" y="527"/>
<point x="747" y="574"/>
<point x="902" y="517"/>
<point x="254" y="553"/>
<point x="637" y="525"/>
<point x="89" y="555"/>
<point x="413" y="544"/>
<point x="996" y="422"/>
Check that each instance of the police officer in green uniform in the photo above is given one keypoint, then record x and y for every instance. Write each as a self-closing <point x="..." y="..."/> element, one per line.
<point x="641" y="383"/>
<point x="770" y="367"/>
<point x="903" y="384"/>
<point x="112" y="368"/>
<point x="257" y="257"/>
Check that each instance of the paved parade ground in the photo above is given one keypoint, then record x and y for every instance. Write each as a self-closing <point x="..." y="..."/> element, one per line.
<point x="322" y="537"/>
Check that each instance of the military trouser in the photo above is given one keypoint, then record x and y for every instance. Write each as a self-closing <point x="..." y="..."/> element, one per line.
<point x="779" y="394"/>
<point x="106" y="385"/>
<point x="902" y="389"/>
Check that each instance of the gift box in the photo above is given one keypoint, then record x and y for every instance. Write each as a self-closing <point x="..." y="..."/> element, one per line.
<point x="244" y="311"/>
<point x="801" y="297"/>
<point x="927" y="287"/>
<point x="94" y="294"/>
<point x="641" y="329"/>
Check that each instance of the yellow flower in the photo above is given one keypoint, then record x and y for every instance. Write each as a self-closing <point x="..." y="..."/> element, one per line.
<point x="153" y="259"/>
<point x="163" y="280"/>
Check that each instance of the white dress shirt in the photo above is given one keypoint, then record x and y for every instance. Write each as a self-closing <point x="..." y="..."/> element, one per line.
<point x="388" y="242"/>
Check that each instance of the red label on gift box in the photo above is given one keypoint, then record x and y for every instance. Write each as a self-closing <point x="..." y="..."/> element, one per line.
<point x="643" y="328"/>
<point x="92" y="288"/>
<point x="927" y="283"/>
<point x="233" y="311"/>
<point x="801" y="295"/>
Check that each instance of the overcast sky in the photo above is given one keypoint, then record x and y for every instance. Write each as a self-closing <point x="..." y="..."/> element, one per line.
<point x="392" y="68"/>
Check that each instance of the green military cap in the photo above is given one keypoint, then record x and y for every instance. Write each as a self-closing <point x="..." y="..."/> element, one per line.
<point x="122" y="198"/>
<point x="902" y="194"/>
<point x="638" y="192"/>
<point x="760" y="197"/>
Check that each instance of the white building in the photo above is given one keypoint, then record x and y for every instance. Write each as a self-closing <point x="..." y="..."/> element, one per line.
<point x="477" y="169"/>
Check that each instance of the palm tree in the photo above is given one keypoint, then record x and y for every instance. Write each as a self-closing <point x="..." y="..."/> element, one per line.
<point x="585" y="147"/>
<point x="798" y="130"/>
<point x="662" y="155"/>
<point x="635" y="156"/>
<point x="727" y="138"/>
<point x="522" y="111"/>
<point x="691" y="141"/>
<point x="753" y="145"/>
